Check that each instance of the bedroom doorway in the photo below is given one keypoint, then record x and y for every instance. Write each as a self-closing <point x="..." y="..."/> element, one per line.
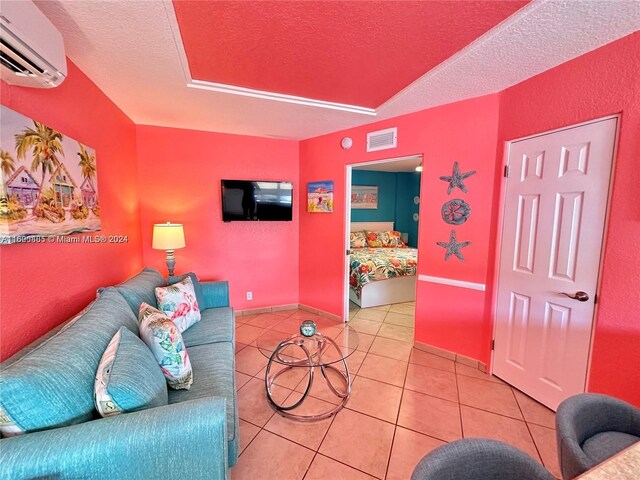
<point x="381" y="235"/>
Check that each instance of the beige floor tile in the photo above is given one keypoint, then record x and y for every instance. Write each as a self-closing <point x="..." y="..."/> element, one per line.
<point x="479" y="423"/>
<point x="406" y="309"/>
<point x="545" y="440"/>
<point x="240" y="346"/>
<point x="373" y="315"/>
<point x="488" y="396"/>
<point x="250" y="361"/>
<point x="248" y="432"/>
<point x="380" y="307"/>
<point x="359" y="441"/>
<point x="429" y="360"/>
<point x="325" y="468"/>
<point x="400" y="319"/>
<point x="383" y="369"/>
<point x="241" y="379"/>
<point x="265" y="320"/>
<point x="272" y="457"/>
<point x="386" y="347"/>
<point x="290" y="325"/>
<point x="374" y="398"/>
<point x="468" y="371"/>
<point x="309" y="434"/>
<point x="253" y="405"/>
<point x="432" y="416"/>
<point x="396" y="332"/>
<point x="247" y="333"/>
<point x="408" y="449"/>
<point x="365" y="341"/>
<point x="535" y="412"/>
<point x="361" y="325"/>
<point x="284" y="313"/>
<point x="354" y="361"/>
<point x="431" y="381"/>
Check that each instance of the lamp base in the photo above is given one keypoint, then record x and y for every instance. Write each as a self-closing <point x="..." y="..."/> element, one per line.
<point x="171" y="262"/>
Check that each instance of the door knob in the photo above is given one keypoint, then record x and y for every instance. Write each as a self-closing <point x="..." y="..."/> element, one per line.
<point x="580" y="296"/>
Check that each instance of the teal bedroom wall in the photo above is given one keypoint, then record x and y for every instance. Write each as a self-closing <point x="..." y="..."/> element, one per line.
<point x="396" y="191"/>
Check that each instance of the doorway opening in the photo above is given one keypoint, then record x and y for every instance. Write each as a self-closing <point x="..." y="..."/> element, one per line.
<point x="383" y="197"/>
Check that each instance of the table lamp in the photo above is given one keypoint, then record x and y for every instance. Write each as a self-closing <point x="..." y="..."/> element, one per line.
<point x="168" y="236"/>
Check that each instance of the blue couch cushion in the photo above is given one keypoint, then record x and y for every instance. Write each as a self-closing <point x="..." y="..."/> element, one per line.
<point x="216" y="325"/>
<point x="213" y="375"/>
<point x="142" y="288"/>
<point x="128" y="377"/>
<point x="606" y="444"/>
<point x="53" y="384"/>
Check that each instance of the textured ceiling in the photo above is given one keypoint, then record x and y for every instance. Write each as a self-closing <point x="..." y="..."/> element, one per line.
<point x="130" y="49"/>
<point x="358" y="53"/>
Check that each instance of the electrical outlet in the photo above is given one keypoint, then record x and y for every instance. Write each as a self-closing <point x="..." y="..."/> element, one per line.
<point x="249" y="295"/>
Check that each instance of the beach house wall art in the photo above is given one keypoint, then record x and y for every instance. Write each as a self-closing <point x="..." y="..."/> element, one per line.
<point x="48" y="181"/>
<point x="320" y="197"/>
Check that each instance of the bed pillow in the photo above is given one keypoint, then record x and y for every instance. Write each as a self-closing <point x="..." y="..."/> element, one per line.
<point x="165" y="341"/>
<point x="358" y="240"/>
<point x="179" y="303"/>
<point x="128" y="377"/>
<point x="389" y="239"/>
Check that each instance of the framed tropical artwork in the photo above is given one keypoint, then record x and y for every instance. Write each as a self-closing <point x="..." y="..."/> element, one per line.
<point x="48" y="181"/>
<point x="320" y="197"/>
<point x="364" y="196"/>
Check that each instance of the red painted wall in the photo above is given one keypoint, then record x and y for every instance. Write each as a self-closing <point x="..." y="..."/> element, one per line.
<point x="451" y="318"/>
<point x="180" y="173"/>
<point x="43" y="284"/>
<point x="602" y="82"/>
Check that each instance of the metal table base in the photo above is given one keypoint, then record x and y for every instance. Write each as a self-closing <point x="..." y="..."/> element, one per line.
<point x="310" y="361"/>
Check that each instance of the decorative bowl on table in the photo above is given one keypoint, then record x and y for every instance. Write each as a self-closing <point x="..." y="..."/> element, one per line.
<point x="308" y="328"/>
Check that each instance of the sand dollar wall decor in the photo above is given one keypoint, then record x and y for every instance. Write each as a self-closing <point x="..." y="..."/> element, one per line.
<point x="456" y="211"/>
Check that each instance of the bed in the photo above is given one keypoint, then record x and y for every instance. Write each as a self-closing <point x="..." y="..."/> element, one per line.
<point x="381" y="276"/>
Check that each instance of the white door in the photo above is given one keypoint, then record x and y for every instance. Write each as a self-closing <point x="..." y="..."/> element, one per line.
<point x="555" y="206"/>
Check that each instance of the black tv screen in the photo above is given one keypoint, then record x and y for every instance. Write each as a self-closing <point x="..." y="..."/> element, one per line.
<point x="246" y="200"/>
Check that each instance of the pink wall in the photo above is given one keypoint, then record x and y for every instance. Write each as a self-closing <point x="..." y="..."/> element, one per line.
<point x="603" y="82"/>
<point x="451" y="318"/>
<point x="43" y="284"/>
<point x="180" y="173"/>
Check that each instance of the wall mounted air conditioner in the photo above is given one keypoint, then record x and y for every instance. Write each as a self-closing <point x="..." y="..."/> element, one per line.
<point x="31" y="48"/>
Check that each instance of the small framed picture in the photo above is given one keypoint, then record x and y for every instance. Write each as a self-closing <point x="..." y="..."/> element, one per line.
<point x="364" y="197"/>
<point x="320" y="197"/>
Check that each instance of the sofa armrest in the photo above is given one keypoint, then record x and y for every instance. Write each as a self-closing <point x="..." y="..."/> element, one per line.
<point x="216" y="294"/>
<point x="187" y="438"/>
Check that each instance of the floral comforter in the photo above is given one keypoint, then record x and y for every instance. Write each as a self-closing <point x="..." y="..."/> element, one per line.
<point x="371" y="264"/>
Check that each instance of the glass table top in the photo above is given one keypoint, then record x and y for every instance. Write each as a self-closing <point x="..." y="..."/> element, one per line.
<point x="333" y="342"/>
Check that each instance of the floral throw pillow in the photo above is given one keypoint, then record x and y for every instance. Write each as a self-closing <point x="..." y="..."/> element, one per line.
<point x="358" y="240"/>
<point x="179" y="303"/>
<point x="164" y="339"/>
<point x="390" y="239"/>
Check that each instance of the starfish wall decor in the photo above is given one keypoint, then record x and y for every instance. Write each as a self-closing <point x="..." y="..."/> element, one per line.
<point x="453" y="247"/>
<point x="457" y="179"/>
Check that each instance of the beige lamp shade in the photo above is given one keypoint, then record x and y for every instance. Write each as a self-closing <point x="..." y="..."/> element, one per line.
<point x="168" y="236"/>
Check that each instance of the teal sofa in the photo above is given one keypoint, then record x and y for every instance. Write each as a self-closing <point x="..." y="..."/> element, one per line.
<point x="195" y="435"/>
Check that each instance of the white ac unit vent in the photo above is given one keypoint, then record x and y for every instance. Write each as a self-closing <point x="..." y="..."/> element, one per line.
<point x="382" y="139"/>
<point x="31" y="49"/>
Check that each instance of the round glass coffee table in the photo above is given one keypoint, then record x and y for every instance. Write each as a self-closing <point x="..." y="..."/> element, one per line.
<point x="323" y="346"/>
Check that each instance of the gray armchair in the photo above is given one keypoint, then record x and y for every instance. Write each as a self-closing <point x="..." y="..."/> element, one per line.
<point x="479" y="459"/>
<point x="591" y="428"/>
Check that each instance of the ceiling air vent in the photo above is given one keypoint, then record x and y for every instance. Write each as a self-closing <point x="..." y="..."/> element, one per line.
<point x="382" y="139"/>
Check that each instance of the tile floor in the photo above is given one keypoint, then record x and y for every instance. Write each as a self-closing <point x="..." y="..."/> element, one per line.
<point x="404" y="403"/>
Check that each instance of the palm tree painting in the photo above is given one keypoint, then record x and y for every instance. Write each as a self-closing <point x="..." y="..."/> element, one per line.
<point x="39" y="166"/>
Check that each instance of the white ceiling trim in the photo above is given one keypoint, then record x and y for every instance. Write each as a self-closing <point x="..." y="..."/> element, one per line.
<point x="133" y="52"/>
<point x="243" y="91"/>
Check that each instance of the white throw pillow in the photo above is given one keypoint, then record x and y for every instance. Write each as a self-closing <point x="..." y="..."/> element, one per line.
<point x="178" y="302"/>
<point x="163" y="338"/>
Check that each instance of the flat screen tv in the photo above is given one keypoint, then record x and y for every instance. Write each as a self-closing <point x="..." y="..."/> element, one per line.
<point x="246" y="200"/>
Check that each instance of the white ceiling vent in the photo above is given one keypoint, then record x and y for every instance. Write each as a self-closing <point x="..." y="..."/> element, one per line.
<point x="382" y="139"/>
